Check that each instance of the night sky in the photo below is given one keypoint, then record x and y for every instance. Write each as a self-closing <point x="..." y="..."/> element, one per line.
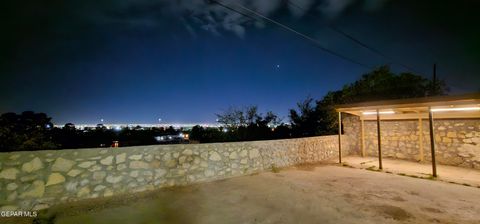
<point x="134" y="61"/>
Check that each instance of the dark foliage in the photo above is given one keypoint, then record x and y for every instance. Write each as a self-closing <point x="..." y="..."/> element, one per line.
<point x="380" y="84"/>
<point x="31" y="131"/>
<point x="25" y="131"/>
<point x="68" y="137"/>
<point x="245" y="124"/>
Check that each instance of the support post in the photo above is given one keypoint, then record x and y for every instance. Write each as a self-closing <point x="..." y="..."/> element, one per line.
<point x="363" y="137"/>
<point x="420" y="138"/>
<point x="339" y="137"/>
<point x="379" y="142"/>
<point x="432" y="142"/>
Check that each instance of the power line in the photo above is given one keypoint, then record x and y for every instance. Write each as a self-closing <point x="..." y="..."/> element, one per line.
<point x="352" y="38"/>
<point x="232" y="9"/>
<point x="314" y="41"/>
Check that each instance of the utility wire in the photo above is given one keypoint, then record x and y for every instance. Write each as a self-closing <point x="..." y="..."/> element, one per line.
<point x="232" y="9"/>
<point x="352" y="38"/>
<point x="314" y="41"/>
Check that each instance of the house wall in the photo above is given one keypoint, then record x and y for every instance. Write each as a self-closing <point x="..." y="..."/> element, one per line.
<point x="457" y="141"/>
<point x="36" y="180"/>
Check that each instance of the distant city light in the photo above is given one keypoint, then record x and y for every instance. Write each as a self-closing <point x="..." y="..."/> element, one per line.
<point x="144" y="125"/>
<point x="381" y="112"/>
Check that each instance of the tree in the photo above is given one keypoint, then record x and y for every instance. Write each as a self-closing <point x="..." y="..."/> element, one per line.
<point x="25" y="131"/>
<point x="67" y="137"/>
<point x="247" y="124"/>
<point x="69" y="127"/>
<point x="305" y="121"/>
<point x="206" y="135"/>
<point x="233" y="117"/>
<point x="382" y="84"/>
<point x="251" y="115"/>
<point x="379" y="84"/>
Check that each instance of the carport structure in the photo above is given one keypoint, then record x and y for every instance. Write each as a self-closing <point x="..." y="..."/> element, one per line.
<point x="442" y="107"/>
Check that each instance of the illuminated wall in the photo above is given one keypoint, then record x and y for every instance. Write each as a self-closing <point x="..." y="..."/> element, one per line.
<point x="36" y="180"/>
<point x="457" y="141"/>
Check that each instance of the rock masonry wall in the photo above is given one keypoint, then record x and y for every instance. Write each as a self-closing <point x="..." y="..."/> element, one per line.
<point x="38" y="179"/>
<point x="457" y="141"/>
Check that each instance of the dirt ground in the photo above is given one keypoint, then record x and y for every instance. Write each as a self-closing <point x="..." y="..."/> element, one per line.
<point x="307" y="194"/>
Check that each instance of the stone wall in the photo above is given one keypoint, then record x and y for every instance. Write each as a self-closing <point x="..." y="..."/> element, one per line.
<point x="36" y="180"/>
<point x="457" y="141"/>
<point x="351" y="129"/>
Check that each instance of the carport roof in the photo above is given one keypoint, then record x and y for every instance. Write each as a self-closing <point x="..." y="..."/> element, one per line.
<point x="458" y="106"/>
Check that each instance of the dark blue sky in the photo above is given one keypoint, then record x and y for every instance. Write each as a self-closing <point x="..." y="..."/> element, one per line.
<point x="184" y="61"/>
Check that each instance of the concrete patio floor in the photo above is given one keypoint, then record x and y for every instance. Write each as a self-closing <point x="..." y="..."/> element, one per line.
<point x="453" y="174"/>
<point x="304" y="194"/>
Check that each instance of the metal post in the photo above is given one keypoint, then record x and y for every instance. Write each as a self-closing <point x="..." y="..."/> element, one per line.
<point x="379" y="141"/>
<point x="432" y="142"/>
<point x="339" y="137"/>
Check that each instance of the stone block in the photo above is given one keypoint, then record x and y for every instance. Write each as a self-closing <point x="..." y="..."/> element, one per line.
<point x="254" y="153"/>
<point x="74" y="172"/>
<point x="214" y="156"/>
<point x="84" y="192"/>
<point x="34" y="165"/>
<point x="451" y="134"/>
<point x="36" y="190"/>
<point x="62" y="165"/>
<point x="120" y="158"/>
<point x="12" y="186"/>
<point x="107" y="160"/>
<point x="114" y="179"/>
<point x="99" y="175"/>
<point x="233" y="155"/>
<point x="9" y="173"/>
<point x="55" y="178"/>
<point x="138" y="165"/>
<point x="86" y="164"/>
<point x="446" y="140"/>
<point x="99" y="188"/>
<point x="135" y="157"/>
<point x="187" y="152"/>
